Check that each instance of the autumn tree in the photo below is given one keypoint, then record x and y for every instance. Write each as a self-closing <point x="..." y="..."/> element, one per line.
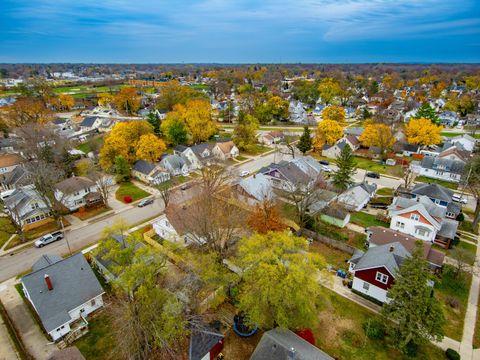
<point x="463" y="104"/>
<point x="334" y="113"/>
<point x="122" y="169"/>
<point x="273" y="109"/>
<point x="342" y="177"/>
<point x="36" y="88"/>
<point x="27" y="111"/>
<point x="279" y="284"/>
<point x="150" y="148"/>
<point x="305" y="91"/>
<point x="328" y="133"/>
<point x="105" y="99"/>
<point x="305" y="142"/>
<point x="123" y="141"/>
<point x="66" y="101"/>
<point x="127" y="100"/>
<point x="422" y="132"/>
<point x="174" y="129"/>
<point x="379" y="135"/>
<point x="427" y="112"/>
<point x="266" y="217"/>
<point x="172" y="93"/>
<point x="414" y="315"/>
<point x="245" y="131"/>
<point x="329" y="89"/>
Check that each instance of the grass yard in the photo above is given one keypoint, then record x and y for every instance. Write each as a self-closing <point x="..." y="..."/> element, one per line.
<point x="259" y="149"/>
<point x="129" y="189"/>
<point x="287" y="210"/>
<point x="365" y="220"/>
<point x="340" y="334"/>
<point x="334" y="257"/>
<point x="447" y="184"/>
<point x="6" y="230"/>
<point x="453" y="134"/>
<point x="453" y="295"/>
<point x="467" y="246"/>
<point x="350" y="237"/>
<point x="241" y="158"/>
<point x="375" y="166"/>
<point x="91" y="212"/>
<point x="98" y="343"/>
<point x="91" y="145"/>
<point x="476" y="336"/>
<point x="466" y="225"/>
<point x="385" y="191"/>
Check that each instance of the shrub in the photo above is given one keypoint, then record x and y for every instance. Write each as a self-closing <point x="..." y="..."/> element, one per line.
<point x="374" y="329"/>
<point x="452" y="354"/>
<point x="460" y="217"/>
<point x="127" y="199"/>
<point x="411" y="349"/>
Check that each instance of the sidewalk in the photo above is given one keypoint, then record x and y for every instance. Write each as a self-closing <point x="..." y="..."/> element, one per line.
<point x="32" y="336"/>
<point x="7" y="348"/>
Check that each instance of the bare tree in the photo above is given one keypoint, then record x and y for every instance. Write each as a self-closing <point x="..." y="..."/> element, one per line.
<point x="463" y="260"/>
<point x="103" y="181"/>
<point x="409" y="177"/>
<point x="165" y="189"/>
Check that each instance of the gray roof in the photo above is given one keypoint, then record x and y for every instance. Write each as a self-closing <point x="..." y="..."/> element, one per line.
<point x="432" y="208"/>
<point x="45" y="260"/>
<point x="283" y="344"/>
<point x="175" y="161"/>
<point x="200" y="148"/>
<point x="202" y="341"/>
<point x="18" y="177"/>
<point x="357" y="131"/>
<point x="443" y="164"/>
<point x="21" y="197"/>
<point x="258" y="187"/>
<point x="74" y="183"/>
<point x="390" y="256"/>
<point x="448" y="229"/>
<point x="88" y="121"/>
<point x="144" y="167"/>
<point x="454" y="208"/>
<point x="74" y="283"/>
<point x="434" y="191"/>
<point x="308" y="165"/>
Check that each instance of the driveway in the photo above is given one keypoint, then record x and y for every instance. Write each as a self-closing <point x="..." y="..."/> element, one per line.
<point x="7" y="348"/>
<point x="32" y="336"/>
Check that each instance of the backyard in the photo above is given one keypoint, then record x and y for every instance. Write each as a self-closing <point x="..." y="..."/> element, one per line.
<point x="375" y="166"/>
<point x="129" y="189"/>
<point x="365" y="220"/>
<point x="447" y="184"/>
<point x="98" y="342"/>
<point x="336" y="258"/>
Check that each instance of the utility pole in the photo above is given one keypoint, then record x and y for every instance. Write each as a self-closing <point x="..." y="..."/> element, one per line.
<point x="65" y="237"/>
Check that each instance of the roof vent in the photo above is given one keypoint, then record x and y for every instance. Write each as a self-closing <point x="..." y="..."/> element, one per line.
<point x="391" y="248"/>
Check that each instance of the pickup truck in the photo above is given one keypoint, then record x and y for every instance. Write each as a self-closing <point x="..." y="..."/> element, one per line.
<point x="49" y="238"/>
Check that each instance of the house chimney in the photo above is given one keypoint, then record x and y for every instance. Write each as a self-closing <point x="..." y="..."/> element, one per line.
<point x="49" y="282"/>
<point x="292" y="353"/>
<point x="391" y="248"/>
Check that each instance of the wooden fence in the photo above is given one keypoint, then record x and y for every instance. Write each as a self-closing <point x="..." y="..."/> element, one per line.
<point x="326" y="240"/>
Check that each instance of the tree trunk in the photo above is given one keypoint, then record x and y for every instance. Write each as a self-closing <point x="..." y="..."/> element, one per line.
<point x="476" y="217"/>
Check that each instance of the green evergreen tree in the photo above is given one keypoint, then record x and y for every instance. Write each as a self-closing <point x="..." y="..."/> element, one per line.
<point x="245" y="132"/>
<point x="427" y="112"/>
<point x="154" y="120"/>
<point x="122" y="169"/>
<point x="342" y="178"/>
<point x="305" y="141"/>
<point x="414" y="315"/>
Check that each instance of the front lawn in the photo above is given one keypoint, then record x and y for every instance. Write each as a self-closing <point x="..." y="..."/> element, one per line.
<point x="365" y="220"/>
<point x="350" y="237"/>
<point x="447" y="184"/>
<point x="453" y="134"/>
<point x="88" y="213"/>
<point x="340" y="333"/>
<point x="241" y="158"/>
<point x="467" y="246"/>
<point x="453" y="295"/>
<point x="129" y="189"/>
<point x="6" y="230"/>
<point x="376" y="166"/>
<point x="98" y="343"/>
<point x="476" y="336"/>
<point x="467" y="226"/>
<point x="258" y="149"/>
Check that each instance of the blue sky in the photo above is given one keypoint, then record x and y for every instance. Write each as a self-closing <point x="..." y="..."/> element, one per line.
<point x="161" y="31"/>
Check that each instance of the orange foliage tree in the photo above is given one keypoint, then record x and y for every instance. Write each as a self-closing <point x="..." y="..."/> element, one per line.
<point x="266" y="217"/>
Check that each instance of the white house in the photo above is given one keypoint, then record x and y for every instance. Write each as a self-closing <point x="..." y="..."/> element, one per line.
<point x="27" y="208"/>
<point x="177" y="164"/>
<point x="254" y="189"/>
<point x="90" y="123"/>
<point x="467" y="142"/>
<point x="150" y="173"/>
<point x="357" y="197"/>
<point x="333" y="151"/>
<point x="76" y="192"/>
<point x="170" y="227"/>
<point x="225" y="150"/>
<point x="63" y="292"/>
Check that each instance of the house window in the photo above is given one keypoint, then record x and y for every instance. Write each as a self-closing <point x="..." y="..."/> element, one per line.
<point x="381" y="277"/>
<point x="37" y="218"/>
<point x="400" y="225"/>
<point x="449" y="214"/>
<point x="415" y="217"/>
<point x="28" y="221"/>
<point x="366" y="286"/>
<point x="34" y="206"/>
<point x="76" y="193"/>
<point x="422" y="232"/>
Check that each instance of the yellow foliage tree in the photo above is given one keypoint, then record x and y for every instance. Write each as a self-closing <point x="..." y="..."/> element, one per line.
<point x="104" y="99"/>
<point x="379" y="135"/>
<point x="329" y="89"/>
<point x="334" y="113"/>
<point x="196" y="115"/>
<point x="127" y="100"/>
<point x="123" y="140"/>
<point x="150" y="147"/>
<point x="328" y="132"/>
<point x="423" y="132"/>
<point x="66" y="101"/>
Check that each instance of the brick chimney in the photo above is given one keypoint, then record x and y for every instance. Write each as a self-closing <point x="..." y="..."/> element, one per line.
<point x="391" y="248"/>
<point x="49" y="283"/>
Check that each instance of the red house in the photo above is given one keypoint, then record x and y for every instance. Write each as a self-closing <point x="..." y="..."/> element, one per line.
<point x="205" y="343"/>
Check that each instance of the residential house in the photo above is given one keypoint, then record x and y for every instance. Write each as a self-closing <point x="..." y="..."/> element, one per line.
<point x="150" y="173"/>
<point x="8" y="162"/>
<point x="439" y="168"/>
<point x="170" y="226"/>
<point x="440" y="195"/>
<point x="254" y="189"/>
<point x="63" y="292"/>
<point x="357" y="197"/>
<point x="225" y="150"/>
<point x="406" y="149"/>
<point x="196" y="156"/>
<point x="375" y="270"/>
<point x="422" y="218"/>
<point x="26" y="208"/>
<point x="284" y="344"/>
<point x="17" y="178"/>
<point x="333" y="151"/>
<point x="77" y="192"/>
<point x="90" y="123"/>
<point x="176" y="164"/>
<point x="356" y="131"/>
<point x="69" y="353"/>
<point x="286" y="176"/>
<point x="271" y="137"/>
<point x="297" y="112"/>
<point x="206" y="343"/>
<point x="378" y="235"/>
<point x="467" y="142"/>
<point x="448" y="118"/>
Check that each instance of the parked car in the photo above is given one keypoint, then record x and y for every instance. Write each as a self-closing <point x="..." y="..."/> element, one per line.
<point x="373" y="175"/>
<point x="459" y="198"/>
<point x="145" y="202"/>
<point x="244" y="173"/>
<point x="326" y="168"/>
<point x="323" y="162"/>
<point x="49" y="238"/>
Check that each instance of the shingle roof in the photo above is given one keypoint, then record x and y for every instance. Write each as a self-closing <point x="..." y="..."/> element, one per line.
<point x="390" y="256"/>
<point x="257" y="186"/>
<point x="226" y="147"/>
<point x="88" y="121"/>
<point x="7" y="160"/>
<point x="175" y="161"/>
<point x="70" y="353"/>
<point x="75" y="183"/>
<point x="449" y="165"/>
<point x="144" y="167"/>
<point x="45" y="260"/>
<point x="283" y="344"/>
<point x="202" y="341"/>
<point x="434" y="191"/>
<point x="74" y="283"/>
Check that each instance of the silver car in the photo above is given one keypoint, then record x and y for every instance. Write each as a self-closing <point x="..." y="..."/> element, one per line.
<point x="49" y="238"/>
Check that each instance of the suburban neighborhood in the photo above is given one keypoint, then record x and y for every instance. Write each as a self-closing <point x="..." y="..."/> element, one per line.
<point x="248" y="210"/>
